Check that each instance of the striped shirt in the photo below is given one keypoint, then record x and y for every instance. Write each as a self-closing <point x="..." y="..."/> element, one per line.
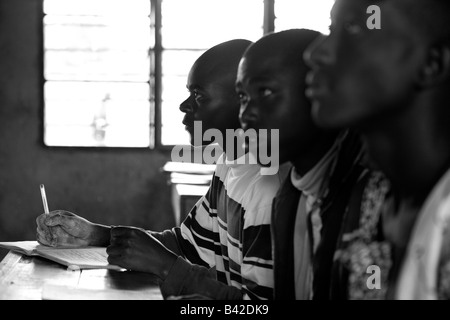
<point x="228" y="230"/>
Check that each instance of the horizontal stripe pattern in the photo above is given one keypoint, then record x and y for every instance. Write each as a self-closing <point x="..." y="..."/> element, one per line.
<point x="229" y="229"/>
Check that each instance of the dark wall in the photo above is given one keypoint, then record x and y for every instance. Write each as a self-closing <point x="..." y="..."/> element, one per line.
<point x="110" y="186"/>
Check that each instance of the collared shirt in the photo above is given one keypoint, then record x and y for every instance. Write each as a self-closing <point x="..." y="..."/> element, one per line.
<point x="313" y="186"/>
<point x="347" y="170"/>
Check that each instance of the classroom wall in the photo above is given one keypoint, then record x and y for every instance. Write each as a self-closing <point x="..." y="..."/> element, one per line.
<point x="110" y="186"/>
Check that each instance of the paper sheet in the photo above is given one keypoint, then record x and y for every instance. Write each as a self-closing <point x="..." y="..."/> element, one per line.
<point x="74" y="258"/>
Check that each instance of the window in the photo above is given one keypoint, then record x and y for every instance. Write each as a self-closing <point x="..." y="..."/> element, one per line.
<point x="115" y="70"/>
<point x="309" y="14"/>
<point x="189" y="27"/>
<point x="97" y="72"/>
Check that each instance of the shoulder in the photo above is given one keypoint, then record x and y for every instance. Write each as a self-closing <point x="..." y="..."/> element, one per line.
<point x="260" y="192"/>
<point x="221" y="168"/>
<point x="269" y="184"/>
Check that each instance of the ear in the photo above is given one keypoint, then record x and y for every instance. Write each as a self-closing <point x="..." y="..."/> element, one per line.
<point x="436" y="69"/>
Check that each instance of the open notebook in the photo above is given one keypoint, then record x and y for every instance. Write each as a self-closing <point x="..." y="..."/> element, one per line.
<point x="74" y="258"/>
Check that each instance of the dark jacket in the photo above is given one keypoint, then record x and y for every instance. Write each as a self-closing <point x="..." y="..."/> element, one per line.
<point x="348" y="170"/>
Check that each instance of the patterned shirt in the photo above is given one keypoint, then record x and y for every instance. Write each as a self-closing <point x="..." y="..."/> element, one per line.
<point x="425" y="270"/>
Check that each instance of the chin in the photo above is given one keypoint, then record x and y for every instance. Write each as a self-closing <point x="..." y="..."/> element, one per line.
<point x="324" y="117"/>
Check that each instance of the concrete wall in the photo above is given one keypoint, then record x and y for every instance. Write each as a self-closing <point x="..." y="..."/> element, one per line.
<point x="110" y="186"/>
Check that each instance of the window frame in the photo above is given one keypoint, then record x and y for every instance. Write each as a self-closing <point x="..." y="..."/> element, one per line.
<point x="268" y="26"/>
<point x="156" y="76"/>
<point x="94" y="148"/>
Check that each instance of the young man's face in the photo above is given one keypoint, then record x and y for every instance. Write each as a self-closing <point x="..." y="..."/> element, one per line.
<point x="360" y="74"/>
<point x="272" y="97"/>
<point x="212" y="100"/>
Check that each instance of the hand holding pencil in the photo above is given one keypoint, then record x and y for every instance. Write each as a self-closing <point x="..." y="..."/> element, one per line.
<point x="65" y="229"/>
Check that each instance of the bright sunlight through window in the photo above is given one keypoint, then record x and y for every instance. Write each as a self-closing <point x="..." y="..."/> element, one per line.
<point x="99" y="62"/>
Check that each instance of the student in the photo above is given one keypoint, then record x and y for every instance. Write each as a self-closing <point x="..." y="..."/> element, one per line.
<point x="223" y="248"/>
<point x="308" y="209"/>
<point x="392" y="85"/>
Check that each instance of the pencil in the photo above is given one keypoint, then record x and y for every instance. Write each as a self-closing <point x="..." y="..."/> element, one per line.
<point x="44" y="199"/>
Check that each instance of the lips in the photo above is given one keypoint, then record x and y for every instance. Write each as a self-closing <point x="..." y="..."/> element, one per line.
<point x="315" y="87"/>
<point x="189" y="123"/>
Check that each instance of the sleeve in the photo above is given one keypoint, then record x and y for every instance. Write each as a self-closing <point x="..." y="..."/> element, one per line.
<point x="257" y="264"/>
<point x="191" y="273"/>
<point x="186" y="279"/>
<point x="169" y="239"/>
<point x="198" y="237"/>
<point x="194" y="239"/>
<point x="198" y="241"/>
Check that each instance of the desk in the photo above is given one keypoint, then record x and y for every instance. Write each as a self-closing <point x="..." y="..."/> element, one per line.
<point x="35" y="278"/>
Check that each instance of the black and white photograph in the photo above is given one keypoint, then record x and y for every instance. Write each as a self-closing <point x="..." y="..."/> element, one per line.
<point x="224" y="157"/>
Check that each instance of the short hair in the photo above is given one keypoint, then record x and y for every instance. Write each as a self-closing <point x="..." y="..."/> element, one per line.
<point x="224" y="58"/>
<point x="290" y="43"/>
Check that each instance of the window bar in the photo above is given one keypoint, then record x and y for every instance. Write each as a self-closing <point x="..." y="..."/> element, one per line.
<point x="269" y="16"/>
<point x="157" y="18"/>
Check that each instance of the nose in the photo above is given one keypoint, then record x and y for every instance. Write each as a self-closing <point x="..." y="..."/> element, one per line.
<point x="187" y="105"/>
<point x="318" y="52"/>
<point x="248" y="114"/>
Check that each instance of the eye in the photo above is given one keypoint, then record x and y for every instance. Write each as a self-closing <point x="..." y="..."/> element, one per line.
<point x="243" y="98"/>
<point x="353" y="28"/>
<point x="197" y="95"/>
<point x="265" y="92"/>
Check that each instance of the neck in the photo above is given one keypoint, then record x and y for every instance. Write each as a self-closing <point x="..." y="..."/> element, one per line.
<point x="410" y="151"/>
<point x="237" y="152"/>
<point x="307" y="159"/>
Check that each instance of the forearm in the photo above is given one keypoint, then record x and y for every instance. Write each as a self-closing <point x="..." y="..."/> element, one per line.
<point x="185" y="278"/>
<point x="169" y="239"/>
<point x="100" y="235"/>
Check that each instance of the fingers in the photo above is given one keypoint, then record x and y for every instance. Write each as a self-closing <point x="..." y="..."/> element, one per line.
<point x="40" y="221"/>
<point x="59" y="217"/>
<point x="117" y="260"/>
<point x="134" y="249"/>
<point x="120" y="240"/>
<point x="61" y="239"/>
<point x="48" y="230"/>
<point x="61" y="228"/>
<point x="43" y="233"/>
<point x="118" y="254"/>
<point x="121" y="245"/>
<point x="43" y="237"/>
<point x="117" y="240"/>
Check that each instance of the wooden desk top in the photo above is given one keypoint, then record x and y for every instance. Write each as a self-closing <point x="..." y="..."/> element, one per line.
<point x="35" y="278"/>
